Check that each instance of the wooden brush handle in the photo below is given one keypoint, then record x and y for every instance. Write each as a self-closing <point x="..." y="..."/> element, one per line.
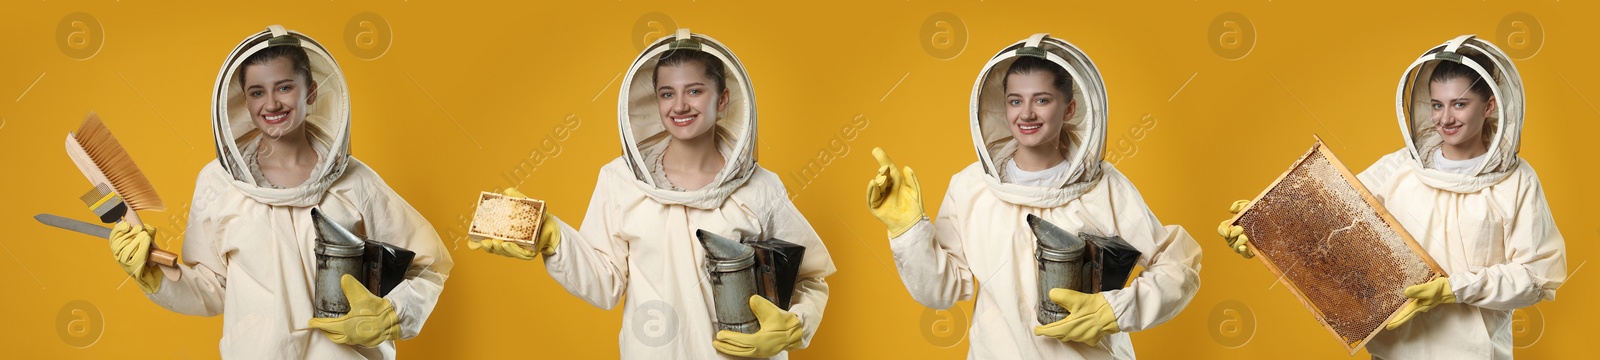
<point x="132" y="218"/>
<point x="163" y="257"/>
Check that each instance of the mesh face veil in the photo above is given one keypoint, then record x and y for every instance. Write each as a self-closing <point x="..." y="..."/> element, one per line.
<point x="327" y="122"/>
<point x="1503" y="128"/>
<point x="1083" y="134"/>
<point x="644" y="136"/>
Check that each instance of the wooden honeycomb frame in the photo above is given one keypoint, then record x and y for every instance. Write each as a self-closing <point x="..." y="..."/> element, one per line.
<point x="1351" y="277"/>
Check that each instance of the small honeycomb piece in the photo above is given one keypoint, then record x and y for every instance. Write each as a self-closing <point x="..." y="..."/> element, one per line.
<point x="507" y="218"/>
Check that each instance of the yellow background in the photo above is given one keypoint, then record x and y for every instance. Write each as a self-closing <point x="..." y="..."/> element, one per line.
<point x="467" y="93"/>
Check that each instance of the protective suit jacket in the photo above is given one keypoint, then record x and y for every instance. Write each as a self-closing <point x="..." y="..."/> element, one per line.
<point x="638" y="236"/>
<point x="1490" y="229"/>
<point x="249" y="247"/>
<point x="981" y="239"/>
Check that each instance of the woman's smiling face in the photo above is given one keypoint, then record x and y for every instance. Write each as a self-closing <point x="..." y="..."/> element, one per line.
<point x="1459" y="115"/>
<point x="277" y="97"/>
<point x="1035" y="109"/>
<point x="689" y="100"/>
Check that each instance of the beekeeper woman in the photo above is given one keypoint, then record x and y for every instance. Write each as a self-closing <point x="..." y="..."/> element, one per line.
<point x="1460" y="189"/>
<point x="281" y="116"/>
<point x="688" y="122"/>
<point x="1038" y="124"/>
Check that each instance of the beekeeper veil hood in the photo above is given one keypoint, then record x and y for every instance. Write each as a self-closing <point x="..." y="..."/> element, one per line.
<point x="1503" y="128"/>
<point x="1083" y="135"/>
<point x="327" y="122"/>
<point x="644" y="138"/>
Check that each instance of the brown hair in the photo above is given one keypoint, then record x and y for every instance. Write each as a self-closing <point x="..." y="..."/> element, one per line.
<point x="675" y="57"/>
<point x="297" y="57"/>
<point x="1031" y="64"/>
<point x="1451" y="70"/>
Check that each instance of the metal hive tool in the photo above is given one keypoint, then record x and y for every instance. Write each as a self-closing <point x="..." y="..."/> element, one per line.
<point x="1338" y="250"/>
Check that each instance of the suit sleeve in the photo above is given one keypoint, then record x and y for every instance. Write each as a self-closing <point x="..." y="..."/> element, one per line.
<point x="930" y="259"/>
<point x="592" y="262"/>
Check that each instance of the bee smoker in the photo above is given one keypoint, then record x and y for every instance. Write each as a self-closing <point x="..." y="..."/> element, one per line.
<point x="731" y="267"/>
<point x="338" y="253"/>
<point x="379" y="266"/>
<point x="1059" y="256"/>
<point x="1085" y="263"/>
<point x="777" y="268"/>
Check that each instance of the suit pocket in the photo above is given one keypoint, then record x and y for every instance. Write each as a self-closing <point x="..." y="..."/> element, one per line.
<point x="1487" y="246"/>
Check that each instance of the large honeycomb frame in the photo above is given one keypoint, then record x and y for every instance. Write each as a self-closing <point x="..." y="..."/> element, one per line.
<point x="1338" y="250"/>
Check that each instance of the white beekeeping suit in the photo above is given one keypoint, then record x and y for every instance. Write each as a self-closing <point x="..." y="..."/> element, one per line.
<point x="1487" y="226"/>
<point x="638" y="236"/>
<point x="249" y="249"/>
<point x="981" y="234"/>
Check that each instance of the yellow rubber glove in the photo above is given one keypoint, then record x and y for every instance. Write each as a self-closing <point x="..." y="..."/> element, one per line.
<point x="1234" y="234"/>
<point x="894" y="196"/>
<point x="1089" y="318"/>
<point x="549" y="236"/>
<point x="780" y="330"/>
<point x="503" y="248"/>
<point x="132" y="251"/>
<point x="370" y="322"/>
<point x="1429" y="295"/>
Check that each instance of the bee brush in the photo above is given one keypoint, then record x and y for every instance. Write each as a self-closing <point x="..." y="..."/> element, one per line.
<point x="107" y="165"/>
